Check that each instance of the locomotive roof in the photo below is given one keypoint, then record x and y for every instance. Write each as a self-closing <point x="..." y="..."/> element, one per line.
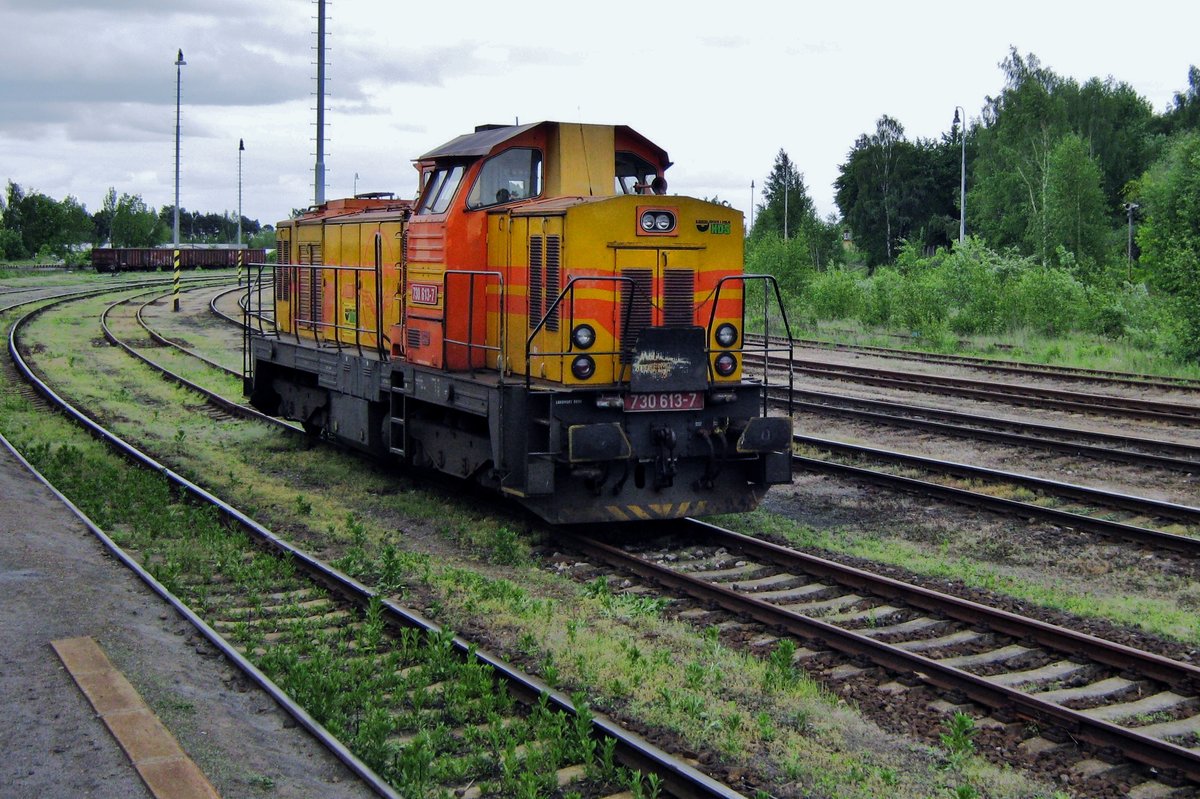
<point x="478" y="143"/>
<point x="486" y="137"/>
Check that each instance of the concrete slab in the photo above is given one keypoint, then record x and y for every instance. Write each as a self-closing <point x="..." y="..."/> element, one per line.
<point x="1096" y="690"/>
<point x="1146" y="706"/>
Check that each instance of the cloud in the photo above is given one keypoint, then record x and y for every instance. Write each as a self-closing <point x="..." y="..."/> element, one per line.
<point x="88" y="72"/>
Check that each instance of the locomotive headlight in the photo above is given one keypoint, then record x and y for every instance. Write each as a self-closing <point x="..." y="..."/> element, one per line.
<point x="583" y="336"/>
<point x="727" y="335"/>
<point x="657" y="221"/>
<point x="583" y="367"/>
<point x="725" y="364"/>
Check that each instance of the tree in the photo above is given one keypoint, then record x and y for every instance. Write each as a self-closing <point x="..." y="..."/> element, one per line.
<point x="786" y="204"/>
<point x="1007" y="203"/>
<point x="1184" y="113"/>
<point x="102" y="220"/>
<point x="12" y="222"/>
<point x="1010" y="203"/>
<point x="135" y="225"/>
<point x="891" y="190"/>
<point x="1169" y="236"/>
<point x="1075" y="206"/>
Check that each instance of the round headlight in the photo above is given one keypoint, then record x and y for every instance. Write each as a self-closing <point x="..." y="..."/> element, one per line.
<point x="648" y="221"/>
<point x="583" y="367"/>
<point x="663" y="222"/>
<point x="726" y="364"/>
<point x="583" y="336"/>
<point x="727" y="335"/>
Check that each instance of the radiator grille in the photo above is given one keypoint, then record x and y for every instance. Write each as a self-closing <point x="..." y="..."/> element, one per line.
<point x="310" y="285"/>
<point x="636" y="308"/>
<point x="679" y="297"/>
<point x="283" y="281"/>
<point x="535" y="281"/>
<point x="553" y="277"/>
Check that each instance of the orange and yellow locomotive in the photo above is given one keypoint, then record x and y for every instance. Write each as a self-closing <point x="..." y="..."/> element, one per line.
<point x="543" y="319"/>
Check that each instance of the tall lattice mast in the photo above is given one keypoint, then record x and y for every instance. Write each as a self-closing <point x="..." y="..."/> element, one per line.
<point x="319" y="169"/>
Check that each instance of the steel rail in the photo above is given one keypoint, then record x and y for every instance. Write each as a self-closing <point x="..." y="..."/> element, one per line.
<point x="1182" y="544"/>
<point x="1186" y="514"/>
<point x="1151" y="751"/>
<point x="633" y="750"/>
<point x="167" y="342"/>
<point x="1008" y="393"/>
<point x="1023" y="368"/>
<point x="211" y="397"/>
<point x="1019" y="433"/>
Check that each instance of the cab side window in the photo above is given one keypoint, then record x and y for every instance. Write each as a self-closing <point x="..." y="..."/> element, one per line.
<point x="439" y="190"/>
<point x="512" y="175"/>
<point x="635" y="175"/>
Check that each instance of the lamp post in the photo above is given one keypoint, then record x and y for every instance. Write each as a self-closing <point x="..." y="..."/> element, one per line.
<point x="752" y="205"/>
<point x="241" y="149"/>
<point x="962" y="196"/>
<point x="1129" y="209"/>
<point x="179" y="64"/>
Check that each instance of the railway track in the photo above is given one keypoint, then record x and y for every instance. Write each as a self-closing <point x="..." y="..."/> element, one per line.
<point x="1078" y="687"/>
<point x="1178" y="413"/>
<point x="1075" y="506"/>
<point x="1141" y="451"/>
<point x="1098" y="377"/>
<point x="274" y="609"/>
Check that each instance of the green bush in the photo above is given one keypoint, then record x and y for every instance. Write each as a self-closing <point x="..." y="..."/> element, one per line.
<point x="835" y="294"/>
<point x="1049" y="300"/>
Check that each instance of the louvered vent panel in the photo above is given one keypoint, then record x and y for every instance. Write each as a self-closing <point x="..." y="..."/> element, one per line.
<point x="310" y="300"/>
<point x="636" y="308"/>
<point x="535" y="281"/>
<point x="283" y="282"/>
<point x="553" y="279"/>
<point x="679" y="297"/>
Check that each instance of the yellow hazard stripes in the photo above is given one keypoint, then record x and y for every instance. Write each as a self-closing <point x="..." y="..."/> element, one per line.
<point x="656" y="510"/>
<point x="176" y="289"/>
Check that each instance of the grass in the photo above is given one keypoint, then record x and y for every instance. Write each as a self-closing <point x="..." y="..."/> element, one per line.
<point x="617" y="650"/>
<point x="1077" y="350"/>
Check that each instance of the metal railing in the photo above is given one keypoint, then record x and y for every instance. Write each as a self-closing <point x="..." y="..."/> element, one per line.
<point x="471" y="345"/>
<point x="551" y="313"/>
<point x="316" y="302"/>
<point x="768" y="282"/>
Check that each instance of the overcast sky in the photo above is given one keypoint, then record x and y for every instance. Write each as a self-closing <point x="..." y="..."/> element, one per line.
<point x="87" y="88"/>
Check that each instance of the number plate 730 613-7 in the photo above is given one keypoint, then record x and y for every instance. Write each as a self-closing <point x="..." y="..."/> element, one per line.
<point x="665" y="401"/>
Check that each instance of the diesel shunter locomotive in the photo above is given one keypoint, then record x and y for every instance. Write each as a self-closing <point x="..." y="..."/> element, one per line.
<point x="543" y="319"/>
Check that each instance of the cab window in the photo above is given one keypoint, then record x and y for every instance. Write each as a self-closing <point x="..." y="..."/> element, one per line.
<point x="634" y="174"/>
<point x="514" y="174"/>
<point x="439" y="190"/>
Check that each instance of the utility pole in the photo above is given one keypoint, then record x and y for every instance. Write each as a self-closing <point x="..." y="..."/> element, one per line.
<point x="241" y="149"/>
<point x="1129" y="209"/>
<point x="179" y="64"/>
<point x="319" y="171"/>
<point x="962" y="192"/>
<point x="752" y="205"/>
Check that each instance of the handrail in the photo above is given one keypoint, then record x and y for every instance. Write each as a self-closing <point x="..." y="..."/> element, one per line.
<point x="570" y="289"/>
<point x="768" y="281"/>
<point x="470" y="344"/>
<point x="314" y="323"/>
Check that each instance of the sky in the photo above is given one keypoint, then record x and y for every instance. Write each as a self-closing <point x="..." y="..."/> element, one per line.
<point x="88" y="87"/>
